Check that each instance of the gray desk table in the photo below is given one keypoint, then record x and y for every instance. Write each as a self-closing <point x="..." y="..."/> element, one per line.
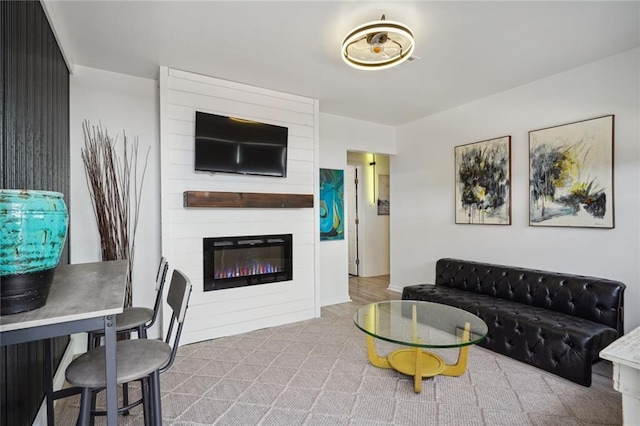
<point x="83" y="297"/>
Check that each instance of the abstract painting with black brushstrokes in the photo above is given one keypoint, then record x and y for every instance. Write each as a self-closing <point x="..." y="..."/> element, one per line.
<point x="571" y="174"/>
<point x="483" y="182"/>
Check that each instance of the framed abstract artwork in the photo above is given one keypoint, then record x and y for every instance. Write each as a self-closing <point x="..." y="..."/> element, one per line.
<point x="331" y="204"/>
<point x="483" y="182"/>
<point x="383" y="195"/>
<point x="571" y="174"/>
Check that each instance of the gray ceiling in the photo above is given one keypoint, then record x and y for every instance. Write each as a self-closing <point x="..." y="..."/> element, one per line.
<point x="468" y="50"/>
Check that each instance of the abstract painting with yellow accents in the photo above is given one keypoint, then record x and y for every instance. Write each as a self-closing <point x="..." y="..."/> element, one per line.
<point x="483" y="182"/>
<point x="571" y="174"/>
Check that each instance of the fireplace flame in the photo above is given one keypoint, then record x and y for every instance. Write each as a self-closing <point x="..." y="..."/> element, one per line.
<point x="245" y="270"/>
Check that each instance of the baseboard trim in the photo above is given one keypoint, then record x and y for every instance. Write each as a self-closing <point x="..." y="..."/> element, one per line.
<point x="336" y="301"/>
<point x="395" y="289"/>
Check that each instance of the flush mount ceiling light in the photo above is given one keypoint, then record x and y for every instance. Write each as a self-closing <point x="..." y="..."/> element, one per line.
<point x="378" y="45"/>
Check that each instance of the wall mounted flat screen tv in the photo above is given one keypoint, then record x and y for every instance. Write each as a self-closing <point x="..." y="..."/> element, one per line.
<point x="231" y="145"/>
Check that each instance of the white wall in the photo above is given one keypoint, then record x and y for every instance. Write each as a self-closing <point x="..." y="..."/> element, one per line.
<point x="231" y="311"/>
<point x="337" y="136"/>
<point x="422" y="183"/>
<point x="120" y="102"/>
<point x="374" y="228"/>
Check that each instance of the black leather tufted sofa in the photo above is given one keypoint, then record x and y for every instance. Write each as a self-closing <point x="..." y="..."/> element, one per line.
<point x="557" y="322"/>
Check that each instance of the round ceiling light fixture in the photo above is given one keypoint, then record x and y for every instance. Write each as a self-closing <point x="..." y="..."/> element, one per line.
<point x="378" y="45"/>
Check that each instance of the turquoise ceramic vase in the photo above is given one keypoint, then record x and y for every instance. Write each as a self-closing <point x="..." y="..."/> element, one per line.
<point x="33" y="230"/>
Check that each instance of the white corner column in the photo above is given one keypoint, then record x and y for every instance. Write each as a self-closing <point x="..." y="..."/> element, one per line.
<point x="624" y="353"/>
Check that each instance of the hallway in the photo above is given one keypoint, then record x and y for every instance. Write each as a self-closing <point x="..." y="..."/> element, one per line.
<point x="371" y="289"/>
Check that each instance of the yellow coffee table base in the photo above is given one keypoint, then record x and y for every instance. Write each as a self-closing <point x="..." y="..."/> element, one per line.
<point x="418" y="363"/>
<point x="415" y="361"/>
<point x="405" y="361"/>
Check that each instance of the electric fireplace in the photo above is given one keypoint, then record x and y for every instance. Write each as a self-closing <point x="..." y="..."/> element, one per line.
<point x="230" y="262"/>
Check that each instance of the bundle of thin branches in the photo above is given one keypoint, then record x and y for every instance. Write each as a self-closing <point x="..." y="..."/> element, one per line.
<point x="115" y="193"/>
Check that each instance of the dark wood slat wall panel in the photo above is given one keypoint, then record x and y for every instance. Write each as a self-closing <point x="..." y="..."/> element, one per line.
<point x="3" y="69"/>
<point x="34" y="154"/>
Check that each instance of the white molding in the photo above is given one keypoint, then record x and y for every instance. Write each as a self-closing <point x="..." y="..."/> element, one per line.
<point x="395" y="289"/>
<point x="165" y="214"/>
<point x="164" y="156"/>
<point x="362" y="220"/>
<point x="337" y="300"/>
<point x="316" y="206"/>
<point x="58" y="33"/>
<point x="244" y="327"/>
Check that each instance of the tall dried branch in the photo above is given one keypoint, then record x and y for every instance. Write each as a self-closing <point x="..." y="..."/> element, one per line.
<point x="115" y="193"/>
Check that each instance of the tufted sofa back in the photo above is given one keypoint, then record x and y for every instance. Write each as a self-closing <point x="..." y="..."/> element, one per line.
<point x="594" y="299"/>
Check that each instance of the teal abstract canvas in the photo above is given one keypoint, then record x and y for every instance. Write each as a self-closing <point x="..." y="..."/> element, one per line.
<point x="331" y="204"/>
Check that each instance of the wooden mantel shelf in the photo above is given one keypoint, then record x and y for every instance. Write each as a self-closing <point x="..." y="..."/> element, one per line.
<point x="246" y="199"/>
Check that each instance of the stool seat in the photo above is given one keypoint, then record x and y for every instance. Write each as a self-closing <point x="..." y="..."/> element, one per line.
<point x="137" y="358"/>
<point x="133" y="318"/>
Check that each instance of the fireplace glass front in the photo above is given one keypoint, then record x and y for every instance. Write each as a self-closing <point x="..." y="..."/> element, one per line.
<point x="242" y="261"/>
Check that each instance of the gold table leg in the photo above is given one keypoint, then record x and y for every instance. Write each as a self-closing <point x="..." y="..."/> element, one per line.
<point x="375" y="359"/>
<point x="460" y="367"/>
<point x="417" y="376"/>
<point x="417" y="362"/>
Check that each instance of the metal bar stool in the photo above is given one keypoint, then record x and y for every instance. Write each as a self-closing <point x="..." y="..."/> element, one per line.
<point x="135" y="319"/>
<point x="137" y="359"/>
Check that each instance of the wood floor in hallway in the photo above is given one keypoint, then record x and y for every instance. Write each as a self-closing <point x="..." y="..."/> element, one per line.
<point x="371" y="289"/>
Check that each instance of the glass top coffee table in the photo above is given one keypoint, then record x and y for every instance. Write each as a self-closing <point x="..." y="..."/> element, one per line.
<point x="419" y="325"/>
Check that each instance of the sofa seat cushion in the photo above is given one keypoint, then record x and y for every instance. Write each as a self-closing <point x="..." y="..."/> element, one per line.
<point x="551" y="340"/>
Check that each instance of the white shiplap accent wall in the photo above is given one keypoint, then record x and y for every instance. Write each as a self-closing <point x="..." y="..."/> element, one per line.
<point x="226" y="312"/>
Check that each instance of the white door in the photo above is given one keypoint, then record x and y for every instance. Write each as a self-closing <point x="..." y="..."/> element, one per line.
<point x="352" y="207"/>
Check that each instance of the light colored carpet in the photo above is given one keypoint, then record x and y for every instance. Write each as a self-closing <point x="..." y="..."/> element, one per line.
<point x="316" y="373"/>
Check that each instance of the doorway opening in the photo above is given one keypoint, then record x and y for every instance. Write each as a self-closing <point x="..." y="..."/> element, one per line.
<point x="367" y="210"/>
<point x="353" y="188"/>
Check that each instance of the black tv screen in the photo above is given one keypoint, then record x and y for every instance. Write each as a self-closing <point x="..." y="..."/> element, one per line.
<point x="231" y="145"/>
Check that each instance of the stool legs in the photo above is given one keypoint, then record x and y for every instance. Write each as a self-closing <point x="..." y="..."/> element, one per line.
<point x="84" y="418"/>
<point x="156" y="404"/>
<point x="142" y="334"/>
<point x="146" y="401"/>
<point x="93" y="341"/>
<point x="125" y="398"/>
